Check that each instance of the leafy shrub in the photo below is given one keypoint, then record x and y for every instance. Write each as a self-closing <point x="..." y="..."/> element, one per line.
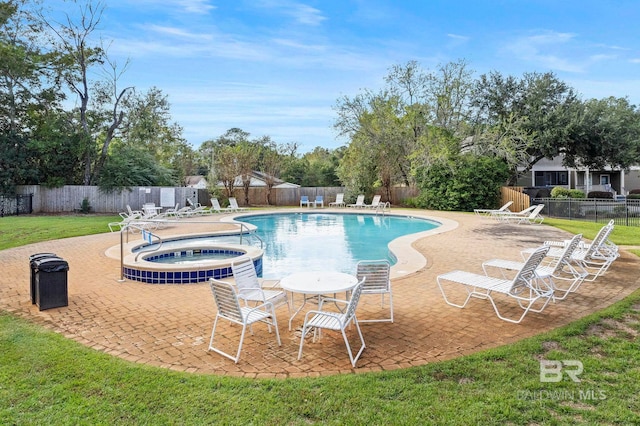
<point x="560" y="192"/>
<point x="635" y="196"/>
<point x="412" y="202"/>
<point x="468" y="183"/>
<point x="576" y="193"/>
<point x="600" y="194"/>
<point x="85" y="207"/>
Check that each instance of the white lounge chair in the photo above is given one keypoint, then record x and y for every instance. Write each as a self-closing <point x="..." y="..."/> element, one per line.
<point x="196" y="208"/>
<point x="558" y="270"/>
<point x="229" y="308"/>
<point x="339" y="202"/>
<point x="251" y="288"/>
<point x="359" y="202"/>
<point x="126" y="220"/>
<point x="304" y="201"/>
<point x="375" y="202"/>
<point x="595" y="258"/>
<point x="377" y="281"/>
<point x="529" y="216"/>
<point x="319" y="201"/>
<point x="233" y="205"/>
<point x="525" y="287"/>
<point x="607" y="248"/>
<point x="215" y="207"/>
<point x="337" y="321"/>
<point x="488" y="212"/>
<point x="171" y="211"/>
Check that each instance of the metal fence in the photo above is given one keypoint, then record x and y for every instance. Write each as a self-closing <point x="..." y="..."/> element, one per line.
<point x="623" y="212"/>
<point x="11" y="205"/>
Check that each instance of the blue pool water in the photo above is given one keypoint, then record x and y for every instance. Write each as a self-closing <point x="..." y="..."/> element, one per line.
<point x="297" y="242"/>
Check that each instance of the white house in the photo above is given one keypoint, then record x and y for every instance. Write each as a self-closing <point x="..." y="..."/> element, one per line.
<point x="197" y="182"/>
<point x="552" y="173"/>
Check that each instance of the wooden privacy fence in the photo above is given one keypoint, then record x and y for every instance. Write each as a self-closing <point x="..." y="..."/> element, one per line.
<point x="70" y="198"/>
<point x="516" y="194"/>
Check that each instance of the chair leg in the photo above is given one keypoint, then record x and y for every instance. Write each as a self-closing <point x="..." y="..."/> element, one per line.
<point x="220" y="351"/>
<point x="353" y="359"/>
<point x="213" y="332"/>
<point x="275" y="325"/>
<point x="302" y="337"/>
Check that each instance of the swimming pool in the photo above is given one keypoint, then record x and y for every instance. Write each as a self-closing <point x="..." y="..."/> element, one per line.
<point x="297" y="242"/>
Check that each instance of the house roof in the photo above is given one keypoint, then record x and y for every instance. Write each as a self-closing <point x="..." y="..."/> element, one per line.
<point x="259" y="179"/>
<point x="193" y="180"/>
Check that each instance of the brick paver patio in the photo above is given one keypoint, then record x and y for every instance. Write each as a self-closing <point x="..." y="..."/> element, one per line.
<point x="169" y="325"/>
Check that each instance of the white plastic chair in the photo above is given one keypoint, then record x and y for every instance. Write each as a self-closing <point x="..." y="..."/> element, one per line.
<point x="375" y="202"/>
<point x="215" y="206"/>
<point x="559" y="270"/>
<point x="377" y="274"/>
<point x="595" y="258"/>
<point x="233" y="205"/>
<point x="337" y="321"/>
<point x="488" y="212"/>
<point x="359" y="202"/>
<point x="339" y="202"/>
<point x="525" y="287"/>
<point x="229" y="308"/>
<point x="250" y="287"/>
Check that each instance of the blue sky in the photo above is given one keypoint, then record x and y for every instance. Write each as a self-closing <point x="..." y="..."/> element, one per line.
<point x="277" y="67"/>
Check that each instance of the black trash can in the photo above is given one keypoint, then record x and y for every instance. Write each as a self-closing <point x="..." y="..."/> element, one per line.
<point x="51" y="282"/>
<point x="32" y="265"/>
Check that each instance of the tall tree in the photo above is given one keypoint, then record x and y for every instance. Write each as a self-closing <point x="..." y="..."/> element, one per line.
<point x="273" y="159"/>
<point x="540" y="105"/>
<point x="77" y="54"/>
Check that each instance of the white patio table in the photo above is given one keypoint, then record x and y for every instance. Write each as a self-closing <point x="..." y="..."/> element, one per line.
<point x="312" y="285"/>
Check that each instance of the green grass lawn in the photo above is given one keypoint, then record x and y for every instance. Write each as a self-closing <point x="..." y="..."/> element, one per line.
<point x="47" y="379"/>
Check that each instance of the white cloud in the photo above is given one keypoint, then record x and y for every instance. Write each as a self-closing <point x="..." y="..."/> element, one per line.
<point x="196" y="6"/>
<point x="546" y="50"/>
<point x="301" y="13"/>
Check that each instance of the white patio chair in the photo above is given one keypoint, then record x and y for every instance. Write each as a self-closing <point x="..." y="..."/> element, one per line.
<point x="377" y="274"/>
<point x="251" y="288"/>
<point x="319" y="201"/>
<point x="559" y="270"/>
<point x="505" y="214"/>
<point x="171" y="211"/>
<point x="338" y="321"/>
<point x="339" y="202"/>
<point x="126" y="219"/>
<point x="375" y="202"/>
<point x="532" y="216"/>
<point x="304" y="201"/>
<point x="215" y="207"/>
<point x="606" y="248"/>
<point x="359" y="202"/>
<point x="525" y="287"/>
<point x="233" y="205"/>
<point x="596" y="258"/>
<point x="196" y="208"/>
<point x="229" y="308"/>
<point x="488" y="212"/>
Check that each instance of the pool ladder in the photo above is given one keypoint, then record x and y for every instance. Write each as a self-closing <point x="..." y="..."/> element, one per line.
<point x="144" y="232"/>
<point x="252" y="233"/>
